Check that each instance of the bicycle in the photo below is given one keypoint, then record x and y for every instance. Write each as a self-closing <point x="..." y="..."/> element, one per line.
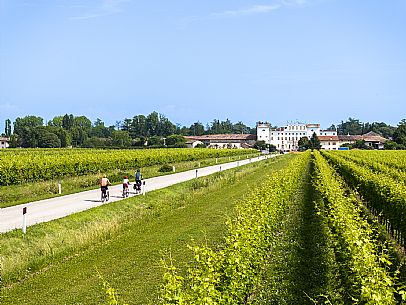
<point x="137" y="186"/>
<point x="105" y="195"/>
<point x="126" y="191"/>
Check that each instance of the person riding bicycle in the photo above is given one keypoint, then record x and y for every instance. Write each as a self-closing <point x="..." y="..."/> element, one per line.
<point x="104" y="183"/>
<point x="126" y="183"/>
<point x="138" y="177"/>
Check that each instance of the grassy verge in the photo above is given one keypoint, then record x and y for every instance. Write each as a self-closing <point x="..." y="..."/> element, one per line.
<point x="17" y="194"/>
<point x="122" y="240"/>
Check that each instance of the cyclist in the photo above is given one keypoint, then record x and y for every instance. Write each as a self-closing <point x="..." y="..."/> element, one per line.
<point x="126" y="183"/>
<point x="138" y="178"/>
<point x="104" y="183"/>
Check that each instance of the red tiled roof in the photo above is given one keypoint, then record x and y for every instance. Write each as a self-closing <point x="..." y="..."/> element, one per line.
<point x="238" y="137"/>
<point x="368" y="137"/>
<point x="346" y="138"/>
<point x="328" y="138"/>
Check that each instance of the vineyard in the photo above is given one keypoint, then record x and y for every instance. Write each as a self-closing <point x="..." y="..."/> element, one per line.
<point x="363" y="262"/>
<point x="311" y="228"/>
<point x="27" y="165"/>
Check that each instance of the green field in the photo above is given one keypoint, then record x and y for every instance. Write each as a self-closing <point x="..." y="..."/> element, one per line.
<point x="298" y="229"/>
<point x="137" y="228"/>
<point x="27" y="188"/>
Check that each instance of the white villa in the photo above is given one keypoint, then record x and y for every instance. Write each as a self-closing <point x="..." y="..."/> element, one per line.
<point x="286" y="138"/>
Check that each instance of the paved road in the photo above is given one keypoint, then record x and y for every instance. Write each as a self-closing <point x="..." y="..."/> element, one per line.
<point x="58" y="207"/>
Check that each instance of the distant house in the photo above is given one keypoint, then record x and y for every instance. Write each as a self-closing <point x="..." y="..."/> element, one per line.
<point x="223" y="140"/>
<point x="4" y="142"/>
<point x="329" y="142"/>
<point x="372" y="139"/>
<point x="287" y="138"/>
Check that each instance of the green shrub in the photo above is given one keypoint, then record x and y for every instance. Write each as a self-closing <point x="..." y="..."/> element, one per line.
<point x="165" y="168"/>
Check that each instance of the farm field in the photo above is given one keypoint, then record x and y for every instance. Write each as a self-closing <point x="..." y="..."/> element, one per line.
<point x="137" y="228"/>
<point x="28" y="165"/>
<point x="32" y="174"/>
<point x="311" y="228"/>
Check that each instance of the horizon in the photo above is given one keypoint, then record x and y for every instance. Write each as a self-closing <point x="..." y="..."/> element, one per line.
<point x="282" y="123"/>
<point x="316" y="61"/>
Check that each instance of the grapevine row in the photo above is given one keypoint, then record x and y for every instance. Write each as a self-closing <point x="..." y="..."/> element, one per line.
<point x="34" y="165"/>
<point x="364" y="268"/>
<point x="233" y="274"/>
<point x="376" y="164"/>
<point x="384" y="194"/>
<point x="395" y="159"/>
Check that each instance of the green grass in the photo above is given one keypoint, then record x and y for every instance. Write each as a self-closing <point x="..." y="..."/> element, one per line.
<point x="124" y="244"/>
<point x="17" y="194"/>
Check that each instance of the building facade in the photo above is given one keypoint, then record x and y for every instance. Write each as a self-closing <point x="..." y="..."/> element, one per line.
<point x="286" y="138"/>
<point x="224" y="140"/>
<point x="4" y="142"/>
<point x="371" y="139"/>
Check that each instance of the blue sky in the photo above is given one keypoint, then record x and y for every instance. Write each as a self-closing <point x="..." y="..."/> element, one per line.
<point x="276" y="60"/>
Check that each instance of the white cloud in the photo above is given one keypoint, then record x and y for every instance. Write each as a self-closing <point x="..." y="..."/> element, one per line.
<point x="105" y="8"/>
<point x="255" y="9"/>
<point x="247" y="11"/>
<point x="294" y="2"/>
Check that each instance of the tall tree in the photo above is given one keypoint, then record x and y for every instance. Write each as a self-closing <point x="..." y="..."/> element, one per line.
<point x="63" y="135"/>
<point x="152" y="124"/>
<point x="67" y="121"/>
<point x="332" y="127"/>
<point x="303" y="143"/>
<point x="226" y="126"/>
<point x="78" y="136"/>
<point x="27" y="122"/>
<point x="351" y="126"/>
<point x="215" y="127"/>
<point x="166" y="127"/>
<point x="240" y="127"/>
<point x="120" y="138"/>
<point x="399" y="136"/>
<point x="126" y="126"/>
<point x="47" y="139"/>
<point x="139" y="125"/>
<point x="7" y="129"/>
<point x="83" y="123"/>
<point x="314" y="142"/>
<point x="381" y="128"/>
<point x="56" y="121"/>
<point x="25" y="129"/>
<point x="196" y="129"/>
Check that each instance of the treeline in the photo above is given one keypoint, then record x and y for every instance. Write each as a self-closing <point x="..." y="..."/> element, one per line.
<point x="396" y="135"/>
<point x="356" y="127"/>
<point x="153" y="130"/>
